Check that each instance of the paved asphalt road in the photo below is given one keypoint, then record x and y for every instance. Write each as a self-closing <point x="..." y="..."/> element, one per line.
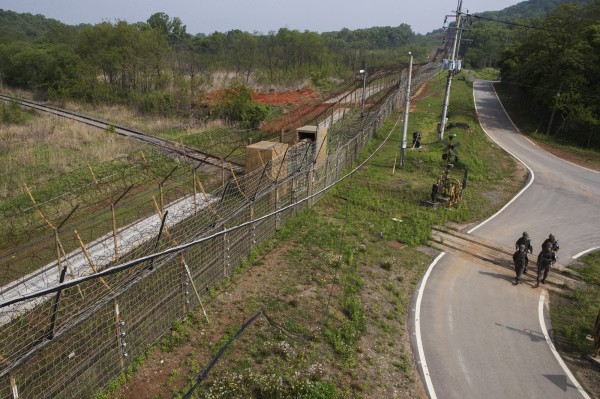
<point x="476" y="334"/>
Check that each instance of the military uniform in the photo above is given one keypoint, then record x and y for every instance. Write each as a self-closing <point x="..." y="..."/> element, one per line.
<point x="546" y="258"/>
<point x="553" y="244"/>
<point x="520" y="259"/>
<point x="526" y="242"/>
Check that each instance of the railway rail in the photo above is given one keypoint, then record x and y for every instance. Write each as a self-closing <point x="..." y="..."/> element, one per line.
<point x="165" y="145"/>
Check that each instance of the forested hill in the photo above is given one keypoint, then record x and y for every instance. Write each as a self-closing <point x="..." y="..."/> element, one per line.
<point x="28" y="27"/>
<point x="156" y="65"/>
<point x="528" y="9"/>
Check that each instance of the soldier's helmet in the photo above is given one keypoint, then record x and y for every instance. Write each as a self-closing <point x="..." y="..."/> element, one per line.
<point x="525" y="234"/>
<point x="551" y="237"/>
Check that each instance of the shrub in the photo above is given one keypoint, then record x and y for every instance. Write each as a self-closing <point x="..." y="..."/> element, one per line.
<point x="236" y="104"/>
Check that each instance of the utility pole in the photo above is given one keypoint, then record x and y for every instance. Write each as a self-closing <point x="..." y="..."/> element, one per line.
<point x="406" y="109"/>
<point x="363" y="73"/>
<point x="451" y="67"/>
<point x="553" y="110"/>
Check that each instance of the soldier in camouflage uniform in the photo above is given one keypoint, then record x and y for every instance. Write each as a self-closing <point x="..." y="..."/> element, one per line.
<point x="546" y="258"/>
<point x="520" y="259"/>
<point x="526" y="241"/>
<point x="553" y="243"/>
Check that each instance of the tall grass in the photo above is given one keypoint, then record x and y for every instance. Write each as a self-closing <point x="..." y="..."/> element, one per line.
<point x="44" y="146"/>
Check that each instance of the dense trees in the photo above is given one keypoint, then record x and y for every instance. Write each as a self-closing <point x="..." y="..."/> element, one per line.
<point x="557" y="70"/>
<point x="158" y="67"/>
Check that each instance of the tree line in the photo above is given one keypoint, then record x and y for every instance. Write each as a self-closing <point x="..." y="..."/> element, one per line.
<point x="551" y="62"/>
<point x="158" y="67"/>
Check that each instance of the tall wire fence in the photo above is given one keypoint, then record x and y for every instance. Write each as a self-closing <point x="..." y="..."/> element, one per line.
<point x="106" y="281"/>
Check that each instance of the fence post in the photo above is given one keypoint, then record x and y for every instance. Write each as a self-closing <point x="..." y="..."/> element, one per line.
<point x="120" y="330"/>
<point x="226" y="262"/>
<point x="185" y="283"/>
<point x="310" y="182"/>
<point x="50" y="332"/>
<point x="252" y="229"/>
<point x="293" y="194"/>
<point x="13" y="387"/>
<point x="278" y="214"/>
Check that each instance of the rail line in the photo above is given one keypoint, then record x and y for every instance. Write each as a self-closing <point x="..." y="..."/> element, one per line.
<point x="164" y="144"/>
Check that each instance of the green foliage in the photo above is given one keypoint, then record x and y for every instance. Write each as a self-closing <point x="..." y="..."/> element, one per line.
<point x="486" y="74"/>
<point x="176" y="336"/>
<point x="574" y="316"/>
<point x="236" y="104"/>
<point x="156" y="103"/>
<point x="157" y="67"/>
<point x="486" y="43"/>
<point x="12" y="114"/>
<point x="557" y="71"/>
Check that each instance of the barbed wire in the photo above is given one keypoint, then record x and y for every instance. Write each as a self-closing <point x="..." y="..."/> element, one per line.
<point x="145" y="256"/>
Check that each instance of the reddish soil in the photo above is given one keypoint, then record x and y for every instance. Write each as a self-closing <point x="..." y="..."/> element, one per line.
<point x="292" y="97"/>
<point x="301" y="106"/>
<point x="277" y="98"/>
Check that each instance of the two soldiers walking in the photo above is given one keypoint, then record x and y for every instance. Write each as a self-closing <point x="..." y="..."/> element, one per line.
<point x="545" y="259"/>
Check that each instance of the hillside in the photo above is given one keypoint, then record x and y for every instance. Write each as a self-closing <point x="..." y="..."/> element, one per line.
<point x="529" y="9"/>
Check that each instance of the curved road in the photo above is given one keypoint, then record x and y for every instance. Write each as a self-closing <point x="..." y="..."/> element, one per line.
<point x="477" y="335"/>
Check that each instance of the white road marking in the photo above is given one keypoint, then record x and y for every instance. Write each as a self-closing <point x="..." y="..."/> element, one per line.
<point x="553" y="349"/>
<point x="428" y="382"/>
<point x="514" y="156"/>
<point x="585" y="252"/>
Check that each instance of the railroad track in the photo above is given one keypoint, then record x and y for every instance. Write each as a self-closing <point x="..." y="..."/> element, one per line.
<point x="469" y="246"/>
<point x="165" y="145"/>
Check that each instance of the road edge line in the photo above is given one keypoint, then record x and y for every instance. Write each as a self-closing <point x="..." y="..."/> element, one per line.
<point x="584" y="252"/>
<point x="420" y="350"/>
<point x="531" y="174"/>
<point x="561" y="362"/>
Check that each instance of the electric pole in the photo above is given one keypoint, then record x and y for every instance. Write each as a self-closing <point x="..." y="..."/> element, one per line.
<point x="452" y="65"/>
<point x="406" y="109"/>
<point x="553" y="110"/>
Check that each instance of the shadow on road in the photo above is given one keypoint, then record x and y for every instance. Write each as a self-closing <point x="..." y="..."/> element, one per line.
<point x="509" y="278"/>
<point x="560" y="380"/>
<point x="535" y="336"/>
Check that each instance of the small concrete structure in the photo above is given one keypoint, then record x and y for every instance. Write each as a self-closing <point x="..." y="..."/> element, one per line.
<point x="316" y="136"/>
<point x="260" y="154"/>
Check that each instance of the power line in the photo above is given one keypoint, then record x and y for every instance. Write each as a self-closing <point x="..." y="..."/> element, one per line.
<point x="578" y="90"/>
<point x="513" y="23"/>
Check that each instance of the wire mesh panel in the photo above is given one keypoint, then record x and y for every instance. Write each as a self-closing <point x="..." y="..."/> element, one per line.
<point x="108" y="278"/>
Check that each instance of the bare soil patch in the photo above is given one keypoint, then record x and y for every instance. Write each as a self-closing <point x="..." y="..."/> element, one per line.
<point x="291" y="97"/>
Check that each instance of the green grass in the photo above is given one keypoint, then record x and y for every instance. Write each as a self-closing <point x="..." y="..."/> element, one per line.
<point x="338" y="282"/>
<point x="341" y="248"/>
<point x="575" y="312"/>
<point x="486" y="73"/>
<point x="73" y="201"/>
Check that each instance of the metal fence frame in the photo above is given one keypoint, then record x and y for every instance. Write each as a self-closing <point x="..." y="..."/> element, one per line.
<point x="73" y="340"/>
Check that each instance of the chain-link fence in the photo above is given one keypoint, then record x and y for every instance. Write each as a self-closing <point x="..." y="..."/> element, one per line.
<point x="107" y="281"/>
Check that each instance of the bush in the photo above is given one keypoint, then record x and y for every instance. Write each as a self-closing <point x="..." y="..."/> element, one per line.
<point x="156" y="103"/>
<point x="236" y="105"/>
<point x="11" y="113"/>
